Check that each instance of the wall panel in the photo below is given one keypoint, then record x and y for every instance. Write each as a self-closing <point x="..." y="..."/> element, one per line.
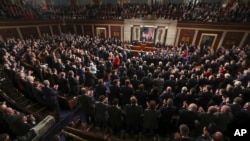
<point x="116" y="31"/>
<point x="101" y="29"/>
<point x="186" y="36"/>
<point x="88" y="30"/>
<point x="9" y="33"/>
<point x="56" y="30"/>
<point x="45" y="30"/>
<point x="68" y="28"/>
<point x="205" y="32"/>
<point x="232" y="38"/>
<point x="29" y="32"/>
<point x="79" y="29"/>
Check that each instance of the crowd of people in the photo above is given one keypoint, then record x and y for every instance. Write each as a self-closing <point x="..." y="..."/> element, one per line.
<point x="204" y="93"/>
<point x="201" y="12"/>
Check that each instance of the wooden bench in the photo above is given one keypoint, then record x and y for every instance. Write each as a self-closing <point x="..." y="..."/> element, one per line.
<point x="67" y="102"/>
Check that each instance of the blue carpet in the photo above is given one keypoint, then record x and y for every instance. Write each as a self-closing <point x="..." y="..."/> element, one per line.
<point x="66" y="116"/>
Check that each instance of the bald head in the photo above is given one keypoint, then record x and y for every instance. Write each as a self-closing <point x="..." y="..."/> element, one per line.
<point x="247" y="106"/>
<point x="225" y="109"/>
<point x="192" y="107"/>
<point x="217" y="136"/>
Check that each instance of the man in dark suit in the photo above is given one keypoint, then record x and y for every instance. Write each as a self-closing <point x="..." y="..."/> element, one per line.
<point x="87" y="106"/>
<point x="188" y="116"/>
<point x="51" y="96"/>
<point x="29" y="87"/>
<point x="63" y="84"/>
<point x="115" y="116"/>
<point x="100" y="89"/>
<point x="73" y="83"/>
<point x="126" y="92"/>
<point x="166" y="121"/>
<point x="22" y="126"/>
<point x="133" y="113"/>
<point x="141" y="96"/>
<point x="147" y="81"/>
<point x="150" y="119"/>
<point x="114" y="91"/>
<point x="159" y="83"/>
<point x="38" y="94"/>
<point x="101" y="113"/>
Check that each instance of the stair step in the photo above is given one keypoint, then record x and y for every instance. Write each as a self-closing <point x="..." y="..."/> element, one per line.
<point x="40" y="110"/>
<point x="31" y="105"/>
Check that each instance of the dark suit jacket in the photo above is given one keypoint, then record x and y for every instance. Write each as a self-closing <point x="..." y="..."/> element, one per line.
<point x="51" y="98"/>
<point x="189" y="118"/>
<point x="114" y="93"/>
<point x="21" y="129"/>
<point x="141" y="96"/>
<point x="147" y="82"/>
<point x="166" y="121"/>
<point x="150" y="119"/>
<point x="38" y="94"/>
<point x="133" y="115"/>
<point x="115" y="117"/>
<point x="99" y="90"/>
<point x="87" y="104"/>
<point x="63" y="86"/>
<point x="29" y="90"/>
<point x="74" y="86"/>
<point x="101" y="112"/>
<point x="126" y="93"/>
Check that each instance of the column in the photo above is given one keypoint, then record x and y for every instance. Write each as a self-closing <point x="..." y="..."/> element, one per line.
<point x="195" y="37"/>
<point x="19" y="33"/>
<point x="109" y="32"/>
<point x="222" y="39"/>
<point x="38" y="31"/>
<point x="243" y="39"/>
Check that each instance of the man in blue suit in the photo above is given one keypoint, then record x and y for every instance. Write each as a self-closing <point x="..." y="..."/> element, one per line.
<point x="51" y="96"/>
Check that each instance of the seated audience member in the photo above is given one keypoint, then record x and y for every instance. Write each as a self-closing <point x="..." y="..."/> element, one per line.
<point x="4" y="126"/>
<point x="22" y="125"/>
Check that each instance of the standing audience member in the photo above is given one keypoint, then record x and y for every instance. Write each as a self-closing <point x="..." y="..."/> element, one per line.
<point x="116" y="117"/>
<point x="150" y="119"/>
<point x="87" y="106"/>
<point x="184" y="134"/>
<point x="133" y="116"/>
<point x="50" y="95"/>
<point x="101" y="112"/>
